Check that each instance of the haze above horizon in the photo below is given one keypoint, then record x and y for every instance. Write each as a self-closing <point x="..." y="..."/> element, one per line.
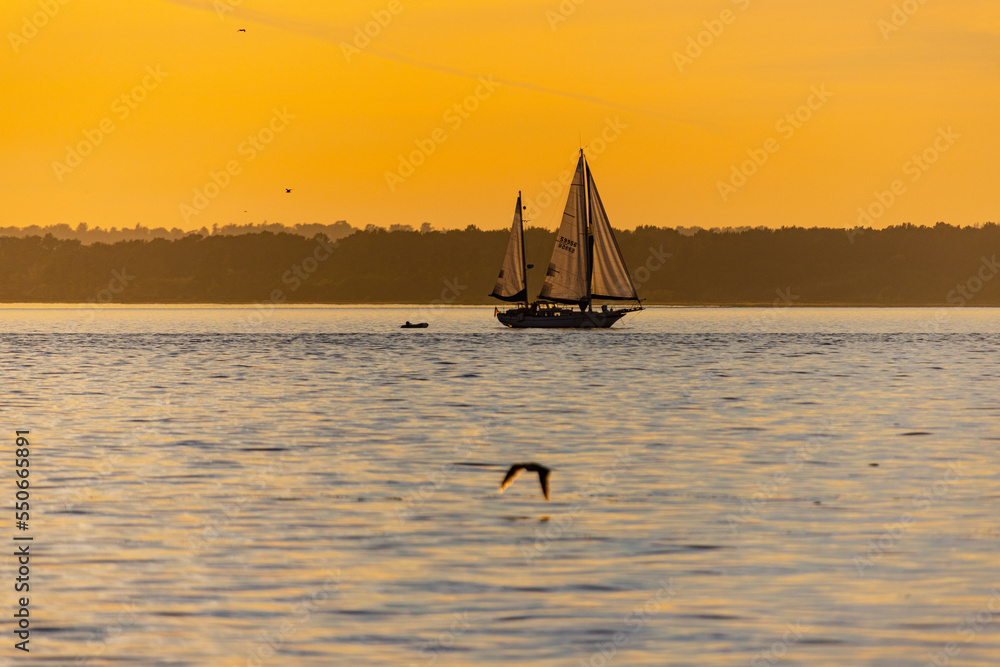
<point x="192" y="113"/>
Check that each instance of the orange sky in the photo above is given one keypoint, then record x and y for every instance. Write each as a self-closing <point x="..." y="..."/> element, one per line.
<point x="299" y="101"/>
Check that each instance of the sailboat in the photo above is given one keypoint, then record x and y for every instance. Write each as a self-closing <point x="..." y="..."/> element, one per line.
<point x="586" y="265"/>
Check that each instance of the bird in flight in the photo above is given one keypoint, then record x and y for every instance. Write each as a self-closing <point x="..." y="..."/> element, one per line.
<point x="242" y="30"/>
<point x="287" y="190"/>
<point x="543" y="476"/>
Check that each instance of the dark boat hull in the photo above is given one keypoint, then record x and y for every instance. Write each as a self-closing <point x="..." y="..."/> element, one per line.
<point x="561" y="318"/>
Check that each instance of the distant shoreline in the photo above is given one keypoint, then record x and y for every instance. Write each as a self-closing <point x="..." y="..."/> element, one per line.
<point x="434" y="306"/>
<point x="903" y="266"/>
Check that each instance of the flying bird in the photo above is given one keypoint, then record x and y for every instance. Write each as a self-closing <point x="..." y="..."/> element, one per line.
<point x="543" y="476"/>
<point x="242" y="30"/>
<point x="287" y="190"/>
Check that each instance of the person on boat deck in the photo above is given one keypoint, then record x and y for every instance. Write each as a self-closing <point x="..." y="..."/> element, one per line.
<point x="604" y="307"/>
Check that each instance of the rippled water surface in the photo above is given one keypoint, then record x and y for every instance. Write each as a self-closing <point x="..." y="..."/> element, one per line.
<point x="314" y="486"/>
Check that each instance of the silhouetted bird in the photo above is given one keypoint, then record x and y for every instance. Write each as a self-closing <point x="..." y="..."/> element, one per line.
<point x="242" y="30"/>
<point x="287" y="190"/>
<point x="543" y="476"/>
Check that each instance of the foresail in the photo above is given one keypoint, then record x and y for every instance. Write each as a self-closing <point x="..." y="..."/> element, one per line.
<point x="512" y="284"/>
<point x="610" y="276"/>
<point x="566" y="280"/>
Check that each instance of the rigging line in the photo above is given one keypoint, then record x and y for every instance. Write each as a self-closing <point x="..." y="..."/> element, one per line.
<point x="310" y="30"/>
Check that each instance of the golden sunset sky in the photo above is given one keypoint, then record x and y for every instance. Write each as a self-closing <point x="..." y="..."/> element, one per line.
<point x="492" y="97"/>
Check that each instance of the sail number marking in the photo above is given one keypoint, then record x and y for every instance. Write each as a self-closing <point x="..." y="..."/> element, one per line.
<point x="566" y="244"/>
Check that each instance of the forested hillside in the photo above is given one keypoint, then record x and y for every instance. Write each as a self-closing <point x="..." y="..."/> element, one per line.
<point x="904" y="265"/>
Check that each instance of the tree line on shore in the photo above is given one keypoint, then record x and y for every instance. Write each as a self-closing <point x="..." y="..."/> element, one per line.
<point x="904" y="265"/>
<point x="86" y="234"/>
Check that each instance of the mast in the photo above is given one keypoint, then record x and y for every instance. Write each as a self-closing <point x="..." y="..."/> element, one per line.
<point x="524" y="258"/>
<point x="590" y="233"/>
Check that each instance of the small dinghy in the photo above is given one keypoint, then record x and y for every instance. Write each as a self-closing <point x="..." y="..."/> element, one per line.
<point x="418" y="325"/>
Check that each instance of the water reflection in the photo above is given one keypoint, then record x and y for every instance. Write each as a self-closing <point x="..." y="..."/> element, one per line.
<point x="214" y="498"/>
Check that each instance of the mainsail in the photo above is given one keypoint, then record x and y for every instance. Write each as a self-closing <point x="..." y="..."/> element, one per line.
<point x="610" y="277"/>
<point x="512" y="284"/>
<point x="567" y="280"/>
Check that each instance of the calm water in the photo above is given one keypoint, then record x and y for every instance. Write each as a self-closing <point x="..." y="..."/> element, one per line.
<point x="292" y="487"/>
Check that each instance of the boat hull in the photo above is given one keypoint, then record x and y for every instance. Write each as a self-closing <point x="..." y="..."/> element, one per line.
<point x="561" y="318"/>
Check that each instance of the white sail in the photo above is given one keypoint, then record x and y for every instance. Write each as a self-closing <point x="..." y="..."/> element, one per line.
<point x="610" y="276"/>
<point x="512" y="283"/>
<point x="566" y="280"/>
